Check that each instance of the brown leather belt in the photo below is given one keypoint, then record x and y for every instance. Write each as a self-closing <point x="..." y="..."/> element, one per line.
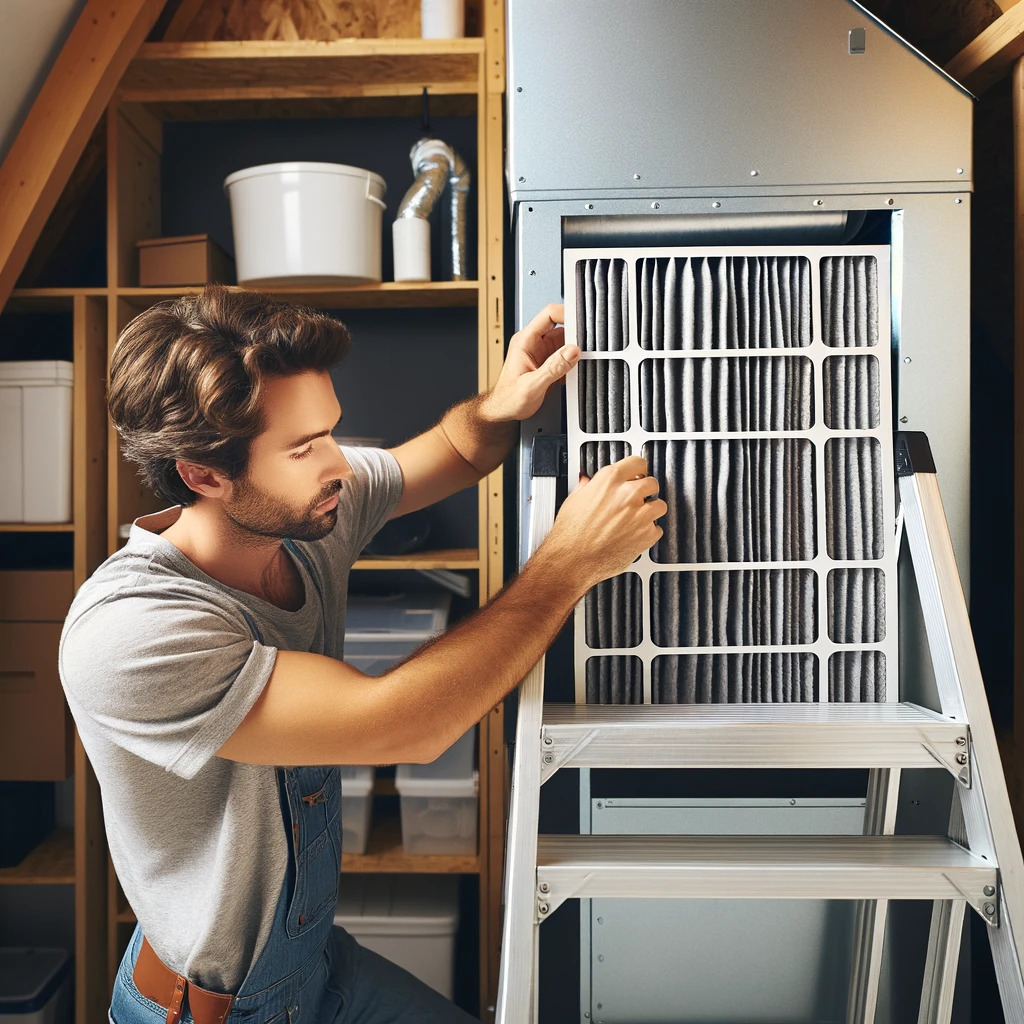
<point x="161" y="985"/>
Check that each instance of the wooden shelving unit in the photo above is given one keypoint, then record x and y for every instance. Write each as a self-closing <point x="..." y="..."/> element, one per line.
<point x="214" y="81"/>
<point x="52" y="862"/>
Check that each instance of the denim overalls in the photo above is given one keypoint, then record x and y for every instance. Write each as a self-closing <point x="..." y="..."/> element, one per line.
<point x="308" y="971"/>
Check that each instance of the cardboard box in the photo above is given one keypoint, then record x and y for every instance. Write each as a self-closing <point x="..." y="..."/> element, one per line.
<point x="36" y="595"/>
<point x="185" y="260"/>
<point x="36" y="734"/>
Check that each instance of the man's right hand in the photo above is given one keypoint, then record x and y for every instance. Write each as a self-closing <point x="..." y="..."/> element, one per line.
<point x="607" y="522"/>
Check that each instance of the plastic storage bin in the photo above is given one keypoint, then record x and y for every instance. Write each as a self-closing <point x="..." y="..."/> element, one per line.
<point x="381" y="631"/>
<point x="356" y="807"/>
<point x="35" y="441"/>
<point x="306" y="223"/>
<point x="438" y="801"/>
<point x="408" y="919"/>
<point x="35" y="986"/>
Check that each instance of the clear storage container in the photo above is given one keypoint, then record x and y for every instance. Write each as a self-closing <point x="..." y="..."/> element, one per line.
<point x="439" y="801"/>
<point x="356" y="806"/>
<point x="381" y="631"/>
<point x="408" y="919"/>
<point x="35" y="986"/>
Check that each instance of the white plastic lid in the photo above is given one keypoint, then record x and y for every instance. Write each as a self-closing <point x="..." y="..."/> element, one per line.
<point x="357" y="780"/>
<point x="307" y="167"/>
<point x="409" y="785"/>
<point x="37" y="371"/>
<point x="398" y="904"/>
<point x="397" y="616"/>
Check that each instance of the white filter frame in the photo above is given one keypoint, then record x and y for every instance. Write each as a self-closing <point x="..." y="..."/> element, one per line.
<point x="635" y="437"/>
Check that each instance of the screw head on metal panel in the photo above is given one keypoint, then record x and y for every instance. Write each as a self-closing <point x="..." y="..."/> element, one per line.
<point x="533" y="273"/>
<point x="819" y="202"/>
<point x="890" y="202"/>
<point x="961" y="741"/>
<point x="990" y="909"/>
<point x="549" y="758"/>
<point x="522" y="179"/>
<point x="519" y="88"/>
<point x="958" y="201"/>
<point x="600" y="920"/>
<point x="906" y="359"/>
<point x="543" y="908"/>
<point x="636" y="177"/>
<point x="959" y="170"/>
<point x="961" y="759"/>
<point x="588" y="206"/>
<point x="655" y="206"/>
<point x="989" y="890"/>
<point x="716" y="205"/>
<point x="754" y="174"/>
<point x="548" y="741"/>
<point x="544" y="887"/>
<point x="903" y="419"/>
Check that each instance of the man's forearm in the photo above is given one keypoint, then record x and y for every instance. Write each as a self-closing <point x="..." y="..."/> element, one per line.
<point x="446" y="687"/>
<point x="482" y="442"/>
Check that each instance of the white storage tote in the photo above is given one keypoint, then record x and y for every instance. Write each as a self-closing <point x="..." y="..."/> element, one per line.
<point x="356" y="806"/>
<point x="35" y="441"/>
<point x="306" y="224"/>
<point x="35" y="986"/>
<point x="439" y="801"/>
<point x="381" y="631"/>
<point x="408" y="919"/>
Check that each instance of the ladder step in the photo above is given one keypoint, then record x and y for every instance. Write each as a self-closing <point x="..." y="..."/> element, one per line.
<point x="762" y="867"/>
<point x="751" y="736"/>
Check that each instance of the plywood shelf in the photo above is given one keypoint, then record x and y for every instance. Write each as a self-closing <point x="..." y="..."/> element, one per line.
<point x="387" y="295"/>
<point x="211" y="71"/>
<point x="37" y="527"/>
<point x="45" y="300"/>
<point x="384" y="855"/>
<point x="453" y="558"/>
<point x="52" y="862"/>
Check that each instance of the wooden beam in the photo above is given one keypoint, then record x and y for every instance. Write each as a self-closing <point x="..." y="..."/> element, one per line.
<point x="70" y="104"/>
<point x="1005" y="5"/>
<point x="986" y="59"/>
<point x="182" y="20"/>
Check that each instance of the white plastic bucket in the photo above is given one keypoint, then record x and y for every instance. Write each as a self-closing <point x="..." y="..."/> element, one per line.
<point x="306" y="224"/>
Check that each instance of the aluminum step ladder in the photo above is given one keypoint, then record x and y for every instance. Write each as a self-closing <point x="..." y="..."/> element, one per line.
<point x="978" y="864"/>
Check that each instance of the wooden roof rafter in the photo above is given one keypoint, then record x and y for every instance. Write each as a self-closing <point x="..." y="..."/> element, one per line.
<point x="991" y="55"/>
<point x="45" y="151"/>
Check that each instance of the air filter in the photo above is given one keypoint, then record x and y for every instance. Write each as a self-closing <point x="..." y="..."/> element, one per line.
<point x="756" y="384"/>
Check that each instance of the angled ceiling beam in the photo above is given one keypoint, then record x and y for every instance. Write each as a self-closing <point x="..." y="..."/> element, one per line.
<point x="54" y="135"/>
<point x="986" y="59"/>
<point x="186" y="14"/>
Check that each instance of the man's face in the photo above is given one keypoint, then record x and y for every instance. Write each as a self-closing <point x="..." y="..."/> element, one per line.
<point x="295" y="471"/>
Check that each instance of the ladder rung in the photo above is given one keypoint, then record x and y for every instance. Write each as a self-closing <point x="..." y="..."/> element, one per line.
<point x="762" y="867"/>
<point x="751" y="736"/>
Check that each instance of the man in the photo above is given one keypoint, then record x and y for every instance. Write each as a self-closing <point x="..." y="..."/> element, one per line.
<point x="204" y="656"/>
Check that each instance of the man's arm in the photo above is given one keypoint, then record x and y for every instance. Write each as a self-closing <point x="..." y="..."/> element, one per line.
<point x="315" y="710"/>
<point x="474" y="438"/>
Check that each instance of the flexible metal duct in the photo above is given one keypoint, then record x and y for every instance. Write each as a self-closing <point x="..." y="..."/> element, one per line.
<point x="435" y="165"/>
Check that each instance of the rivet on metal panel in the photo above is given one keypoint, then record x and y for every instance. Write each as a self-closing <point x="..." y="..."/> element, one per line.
<point x="961" y="741"/>
<point x="600" y="920"/>
<point x="544" y="887"/>
<point x="906" y="359"/>
<point x="655" y="206"/>
<point x="533" y="273"/>
<point x="958" y="201"/>
<point x="961" y="759"/>
<point x="959" y="170"/>
<point x="522" y="179"/>
<point x="989" y="890"/>
<point x="890" y="202"/>
<point x="548" y="741"/>
<point x="716" y="205"/>
<point x="990" y="909"/>
<point x="819" y="202"/>
<point x="549" y="758"/>
<point x="543" y="908"/>
<point x="588" y="206"/>
<point x="903" y="419"/>
<point x="636" y="177"/>
<point x="519" y="88"/>
<point x="754" y="174"/>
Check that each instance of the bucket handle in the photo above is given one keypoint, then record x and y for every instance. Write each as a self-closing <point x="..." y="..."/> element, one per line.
<point x="373" y="198"/>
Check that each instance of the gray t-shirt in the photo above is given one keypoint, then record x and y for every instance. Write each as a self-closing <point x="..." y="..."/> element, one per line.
<point x="160" y="666"/>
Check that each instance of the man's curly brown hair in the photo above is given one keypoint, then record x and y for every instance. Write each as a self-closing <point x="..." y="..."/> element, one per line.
<point x="186" y="378"/>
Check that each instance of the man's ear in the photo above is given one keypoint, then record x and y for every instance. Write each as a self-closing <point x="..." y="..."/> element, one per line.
<point x="209" y="483"/>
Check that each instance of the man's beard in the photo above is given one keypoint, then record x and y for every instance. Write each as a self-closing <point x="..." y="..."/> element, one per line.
<point x="256" y="512"/>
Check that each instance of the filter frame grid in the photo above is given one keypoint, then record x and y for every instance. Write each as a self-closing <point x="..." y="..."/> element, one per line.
<point x="799" y="415"/>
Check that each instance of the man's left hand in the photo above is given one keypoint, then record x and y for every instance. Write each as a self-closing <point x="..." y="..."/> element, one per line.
<point x="537" y="359"/>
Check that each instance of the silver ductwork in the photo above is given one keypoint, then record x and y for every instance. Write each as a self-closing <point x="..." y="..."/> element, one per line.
<point x="435" y="165"/>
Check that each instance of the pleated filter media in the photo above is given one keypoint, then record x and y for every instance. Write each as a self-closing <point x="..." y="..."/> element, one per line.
<point x="756" y="383"/>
